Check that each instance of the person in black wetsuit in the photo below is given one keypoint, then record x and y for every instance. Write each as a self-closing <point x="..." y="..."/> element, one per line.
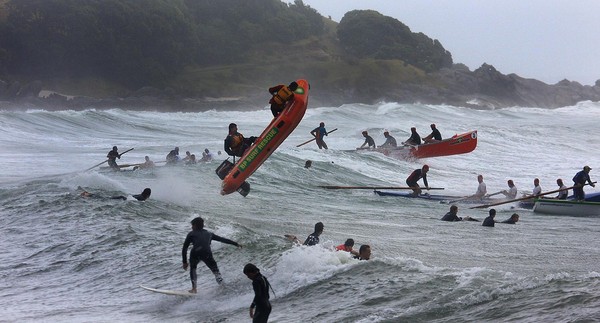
<point x="416" y="175"/>
<point x="173" y="156"/>
<point x="452" y="215"/>
<point x="434" y="136"/>
<point x="260" y="309"/>
<point x="313" y="238"/>
<point x="489" y="221"/>
<point x="414" y="139"/>
<point x="144" y="195"/>
<point x="112" y="158"/>
<point x="201" y="239"/>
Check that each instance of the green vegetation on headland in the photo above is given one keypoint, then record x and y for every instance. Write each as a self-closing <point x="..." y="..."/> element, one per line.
<point x="197" y="54"/>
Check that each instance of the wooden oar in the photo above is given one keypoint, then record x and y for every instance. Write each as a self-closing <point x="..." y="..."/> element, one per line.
<point x="331" y="187"/>
<point x="523" y="198"/>
<point x="304" y="143"/>
<point x="494" y="194"/>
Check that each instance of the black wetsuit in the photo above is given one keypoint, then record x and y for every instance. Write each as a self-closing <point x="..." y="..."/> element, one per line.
<point x="369" y="141"/>
<point x="415" y="176"/>
<point x="173" y="157"/>
<point x="112" y="159"/>
<point x="414" y="139"/>
<point x="580" y="178"/>
<point x="261" y="302"/>
<point x="312" y="239"/>
<point x="509" y="221"/>
<point x="201" y="251"/>
<point x="488" y="222"/>
<point x="435" y="134"/>
<point x="451" y="217"/>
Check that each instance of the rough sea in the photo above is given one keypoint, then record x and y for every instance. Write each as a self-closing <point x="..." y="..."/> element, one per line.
<point x="65" y="258"/>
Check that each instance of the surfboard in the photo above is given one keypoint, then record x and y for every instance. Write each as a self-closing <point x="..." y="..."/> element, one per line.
<point x="169" y="292"/>
<point x="234" y="176"/>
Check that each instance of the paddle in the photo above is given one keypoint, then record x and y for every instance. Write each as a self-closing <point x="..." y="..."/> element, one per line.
<point x="499" y="192"/>
<point x="331" y="187"/>
<point x="524" y="198"/>
<point x="304" y="143"/>
<point x="121" y="154"/>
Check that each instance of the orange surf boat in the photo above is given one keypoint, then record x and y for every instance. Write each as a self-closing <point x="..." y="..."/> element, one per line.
<point x="234" y="176"/>
<point x="457" y="144"/>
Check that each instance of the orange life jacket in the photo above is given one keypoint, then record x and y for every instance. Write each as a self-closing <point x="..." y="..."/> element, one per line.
<point x="283" y="95"/>
<point x="236" y="142"/>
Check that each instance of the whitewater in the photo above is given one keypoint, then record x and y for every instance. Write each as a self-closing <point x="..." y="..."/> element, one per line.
<point x="65" y="258"/>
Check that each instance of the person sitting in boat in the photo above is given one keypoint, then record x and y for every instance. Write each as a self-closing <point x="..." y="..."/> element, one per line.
<point x="489" y="221"/>
<point x="347" y="246"/>
<point x="514" y="218"/>
<point x="368" y="141"/>
<point x="434" y="136"/>
<point x="389" y="140"/>
<point x="564" y="192"/>
<point x="415" y="176"/>
<point x="364" y="252"/>
<point x="537" y="189"/>
<point x="481" y="189"/>
<point x="281" y="95"/>
<point x="414" y="139"/>
<point x="579" y="181"/>
<point x="173" y="156"/>
<point x="235" y="143"/>
<point x="112" y="158"/>
<point x="146" y="165"/>
<point x="319" y="132"/>
<point x="512" y="190"/>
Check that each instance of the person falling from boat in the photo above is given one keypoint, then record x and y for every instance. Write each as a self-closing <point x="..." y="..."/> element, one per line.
<point x="281" y="94"/>
<point x="390" y="142"/>
<point x="368" y="141"/>
<point x="319" y="133"/>
<point x="415" y="176"/>
<point x="112" y="158"/>
<point x="347" y="246"/>
<point x="511" y="194"/>
<point x="414" y="139"/>
<point x="173" y="156"/>
<point x="200" y="239"/>
<point x="564" y="192"/>
<point x="434" y="136"/>
<point x="235" y="144"/>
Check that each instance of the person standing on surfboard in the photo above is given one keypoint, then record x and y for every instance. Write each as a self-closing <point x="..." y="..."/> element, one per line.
<point x="318" y="133"/>
<point x="260" y="309"/>
<point x="112" y="158"/>
<point x="281" y="94"/>
<point x="416" y="175"/>
<point x="235" y="143"/>
<point x="201" y="239"/>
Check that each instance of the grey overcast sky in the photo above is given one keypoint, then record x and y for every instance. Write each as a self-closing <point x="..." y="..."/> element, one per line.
<point x="548" y="40"/>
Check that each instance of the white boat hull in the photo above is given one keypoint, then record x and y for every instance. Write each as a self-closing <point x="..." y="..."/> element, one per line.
<point x="567" y="207"/>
